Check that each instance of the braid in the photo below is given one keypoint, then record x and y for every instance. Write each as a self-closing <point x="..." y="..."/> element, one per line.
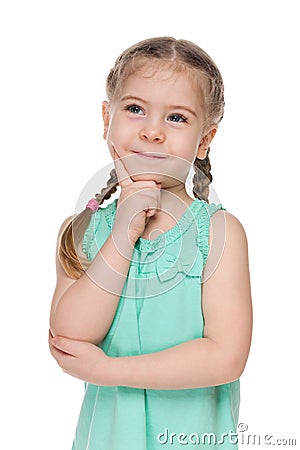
<point x="72" y="236"/>
<point x="202" y="177"/>
<point x="109" y="189"/>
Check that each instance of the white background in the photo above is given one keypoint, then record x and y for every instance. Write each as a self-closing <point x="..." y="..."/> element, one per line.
<point x="55" y="56"/>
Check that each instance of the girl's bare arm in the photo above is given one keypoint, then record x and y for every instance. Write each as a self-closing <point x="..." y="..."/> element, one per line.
<point x="83" y="309"/>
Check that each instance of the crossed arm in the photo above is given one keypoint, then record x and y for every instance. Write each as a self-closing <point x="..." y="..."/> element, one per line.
<point x="217" y="358"/>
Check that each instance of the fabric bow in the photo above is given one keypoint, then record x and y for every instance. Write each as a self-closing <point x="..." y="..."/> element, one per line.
<point x="191" y="263"/>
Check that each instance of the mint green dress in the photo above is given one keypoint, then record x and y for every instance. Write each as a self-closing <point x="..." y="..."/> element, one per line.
<point x="160" y="307"/>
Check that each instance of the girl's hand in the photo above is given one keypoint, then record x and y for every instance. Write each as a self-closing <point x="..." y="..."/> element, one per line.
<point x="81" y="360"/>
<point x="138" y="201"/>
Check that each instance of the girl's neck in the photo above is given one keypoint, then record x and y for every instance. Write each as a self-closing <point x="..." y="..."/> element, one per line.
<point x="173" y="199"/>
<point x="174" y="196"/>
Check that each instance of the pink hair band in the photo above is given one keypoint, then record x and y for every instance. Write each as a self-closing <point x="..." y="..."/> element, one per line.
<point x="92" y="204"/>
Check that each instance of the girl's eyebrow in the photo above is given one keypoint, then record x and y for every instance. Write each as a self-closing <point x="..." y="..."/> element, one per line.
<point x="183" y="107"/>
<point x="133" y="97"/>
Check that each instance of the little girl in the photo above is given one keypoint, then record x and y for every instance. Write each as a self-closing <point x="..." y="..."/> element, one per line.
<point x="152" y="307"/>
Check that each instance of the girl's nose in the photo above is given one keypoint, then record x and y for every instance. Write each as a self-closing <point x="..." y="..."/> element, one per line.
<point x="152" y="135"/>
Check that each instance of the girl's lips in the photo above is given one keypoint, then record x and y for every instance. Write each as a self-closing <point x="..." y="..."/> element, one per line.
<point x="149" y="155"/>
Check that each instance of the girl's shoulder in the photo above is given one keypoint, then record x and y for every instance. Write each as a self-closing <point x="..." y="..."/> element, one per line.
<point x="224" y="220"/>
<point x="225" y="230"/>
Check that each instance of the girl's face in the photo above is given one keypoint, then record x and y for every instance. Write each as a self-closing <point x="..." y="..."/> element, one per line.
<point x="157" y="126"/>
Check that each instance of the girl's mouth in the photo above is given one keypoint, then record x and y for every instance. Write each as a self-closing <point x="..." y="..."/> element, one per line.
<point x="149" y="155"/>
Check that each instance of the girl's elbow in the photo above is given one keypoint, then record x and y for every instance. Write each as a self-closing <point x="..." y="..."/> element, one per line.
<point x="59" y="327"/>
<point x="231" y="366"/>
<point x="62" y="323"/>
<point x="237" y="366"/>
<point x="54" y="326"/>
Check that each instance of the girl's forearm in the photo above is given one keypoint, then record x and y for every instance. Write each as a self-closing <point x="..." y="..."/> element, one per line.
<point x="193" y="364"/>
<point x="86" y="309"/>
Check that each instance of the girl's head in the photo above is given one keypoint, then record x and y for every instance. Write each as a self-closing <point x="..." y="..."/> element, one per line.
<point x="178" y="56"/>
<point x="156" y="71"/>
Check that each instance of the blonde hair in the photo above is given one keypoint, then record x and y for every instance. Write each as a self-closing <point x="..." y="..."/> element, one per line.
<point x="181" y="55"/>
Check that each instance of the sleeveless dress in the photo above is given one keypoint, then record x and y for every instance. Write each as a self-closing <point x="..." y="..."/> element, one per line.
<point x="160" y="307"/>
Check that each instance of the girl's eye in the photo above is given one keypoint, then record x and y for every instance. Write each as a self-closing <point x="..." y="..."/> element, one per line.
<point x="134" y="109"/>
<point x="177" y="118"/>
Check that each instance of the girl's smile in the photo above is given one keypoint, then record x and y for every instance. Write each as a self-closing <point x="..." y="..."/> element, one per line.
<point x="150" y="155"/>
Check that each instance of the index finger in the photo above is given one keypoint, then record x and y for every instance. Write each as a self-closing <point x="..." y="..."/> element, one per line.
<point x="123" y="175"/>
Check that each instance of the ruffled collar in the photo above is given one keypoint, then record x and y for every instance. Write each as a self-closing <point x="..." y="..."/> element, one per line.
<point x="169" y="236"/>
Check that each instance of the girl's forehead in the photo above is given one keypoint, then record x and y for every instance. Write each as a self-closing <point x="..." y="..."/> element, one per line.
<point x="163" y="76"/>
<point x="166" y="70"/>
<point x="189" y="78"/>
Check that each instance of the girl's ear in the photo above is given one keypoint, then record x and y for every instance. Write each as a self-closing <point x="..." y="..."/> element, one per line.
<point x="105" y="115"/>
<point x="205" y="142"/>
